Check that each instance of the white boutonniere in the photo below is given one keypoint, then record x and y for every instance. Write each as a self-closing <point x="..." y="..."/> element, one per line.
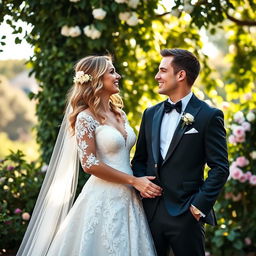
<point x="187" y="119"/>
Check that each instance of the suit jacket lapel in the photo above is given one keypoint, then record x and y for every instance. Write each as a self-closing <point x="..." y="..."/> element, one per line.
<point x="156" y="125"/>
<point x="192" y="108"/>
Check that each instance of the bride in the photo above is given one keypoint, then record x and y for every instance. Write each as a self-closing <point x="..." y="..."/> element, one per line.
<point x="107" y="218"/>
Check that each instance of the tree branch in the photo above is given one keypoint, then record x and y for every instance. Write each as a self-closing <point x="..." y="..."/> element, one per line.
<point x="163" y="14"/>
<point x="241" y="22"/>
<point x="237" y="21"/>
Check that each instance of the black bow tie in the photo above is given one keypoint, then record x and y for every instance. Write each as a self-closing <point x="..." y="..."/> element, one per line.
<point x="168" y="107"/>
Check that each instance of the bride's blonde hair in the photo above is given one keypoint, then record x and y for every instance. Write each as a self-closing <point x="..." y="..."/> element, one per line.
<point x="87" y="94"/>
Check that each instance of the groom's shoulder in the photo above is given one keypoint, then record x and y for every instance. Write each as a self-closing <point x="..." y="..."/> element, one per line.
<point x="154" y="107"/>
<point x="209" y="108"/>
<point x="151" y="110"/>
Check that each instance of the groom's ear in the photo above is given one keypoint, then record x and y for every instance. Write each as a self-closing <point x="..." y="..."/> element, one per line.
<point x="181" y="75"/>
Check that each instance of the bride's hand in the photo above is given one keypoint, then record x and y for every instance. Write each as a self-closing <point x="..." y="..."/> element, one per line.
<point x="147" y="188"/>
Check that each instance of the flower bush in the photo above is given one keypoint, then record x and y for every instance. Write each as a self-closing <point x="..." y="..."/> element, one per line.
<point x="20" y="182"/>
<point x="236" y="233"/>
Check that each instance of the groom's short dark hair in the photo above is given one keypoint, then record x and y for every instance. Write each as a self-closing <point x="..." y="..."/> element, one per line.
<point x="183" y="60"/>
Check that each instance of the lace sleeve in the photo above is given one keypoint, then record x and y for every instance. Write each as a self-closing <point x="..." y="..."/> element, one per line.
<point x="85" y="135"/>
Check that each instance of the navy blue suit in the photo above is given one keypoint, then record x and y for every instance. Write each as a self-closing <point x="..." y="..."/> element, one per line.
<point x="181" y="173"/>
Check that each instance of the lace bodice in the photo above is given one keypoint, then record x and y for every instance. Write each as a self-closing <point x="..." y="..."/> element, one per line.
<point x="104" y="143"/>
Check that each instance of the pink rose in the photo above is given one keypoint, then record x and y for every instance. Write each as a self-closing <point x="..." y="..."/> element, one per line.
<point x="248" y="241"/>
<point x="239" y="131"/>
<point x="236" y="173"/>
<point x="253" y="180"/>
<point x="10" y="168"/>
<point x="243" y="178"/>
<point x="232" y="168"/>
<point x="246" y="126"/>
<point x="232" y="139"/>
<point x="240" y="139"/>
<point x="242" y="161"/>
<point x="17" y="211"/>
<point x="248" y="175"/>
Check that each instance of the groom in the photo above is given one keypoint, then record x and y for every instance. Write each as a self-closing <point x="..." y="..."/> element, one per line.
<point x="176" y="139"/>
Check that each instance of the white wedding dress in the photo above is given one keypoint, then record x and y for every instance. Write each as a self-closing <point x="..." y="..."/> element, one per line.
<point x="107" y="219"/>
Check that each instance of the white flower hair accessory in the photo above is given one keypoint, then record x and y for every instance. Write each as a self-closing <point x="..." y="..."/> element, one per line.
<point x="187" y="119"/>
<point x="81" y="77"/>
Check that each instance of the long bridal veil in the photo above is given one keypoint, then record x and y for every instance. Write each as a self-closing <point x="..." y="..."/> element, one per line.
<point x="56" y="195"/>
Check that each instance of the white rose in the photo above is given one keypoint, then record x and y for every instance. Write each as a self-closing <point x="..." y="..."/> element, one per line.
<point x="87" y="31"/>
<point x="133" y="3"/>
<point x="99" y="14"/>
<point x="65" y="30"/>
<point x="247" y="126"/>
<point x="250" y="116"/>
<point x="81" y="77"/>
<point x="189" y="117"/>
<point x="253" y="154"/>
<point x="124" y="16"/>
<point x="74" y="31"/>
<point x="92" y="32"/>
<point x="188" y="8"/>
<point x="95" y="34"/>
<point x="120" y="1"/>
<point x="74" y="1"/>
<point x="239" y="117"/>
<point x="133" y="20"/>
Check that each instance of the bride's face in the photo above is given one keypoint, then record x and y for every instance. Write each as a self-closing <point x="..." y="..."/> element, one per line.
<point x="111" y="80"/>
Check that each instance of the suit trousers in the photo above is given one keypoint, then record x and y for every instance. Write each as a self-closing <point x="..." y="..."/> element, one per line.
<point x="182" y="234"/>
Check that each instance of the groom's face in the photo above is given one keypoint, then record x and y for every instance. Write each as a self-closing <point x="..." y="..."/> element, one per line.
<point x="166" y="78"/>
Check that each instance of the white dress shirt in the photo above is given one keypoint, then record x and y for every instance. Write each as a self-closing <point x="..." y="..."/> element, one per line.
<point x="169" y="124"/>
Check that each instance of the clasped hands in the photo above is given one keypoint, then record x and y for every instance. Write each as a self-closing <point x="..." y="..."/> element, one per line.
<point x="147" y="188"/>
<point x="150" y="190"/>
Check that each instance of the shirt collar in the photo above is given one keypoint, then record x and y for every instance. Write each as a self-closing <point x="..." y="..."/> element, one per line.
<point x="184" y="100"/>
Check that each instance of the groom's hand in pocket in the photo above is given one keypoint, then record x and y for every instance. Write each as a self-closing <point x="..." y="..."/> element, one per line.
<point x="195" y="214"/>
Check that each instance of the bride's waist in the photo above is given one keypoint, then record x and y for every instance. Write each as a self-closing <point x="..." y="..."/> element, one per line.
<point x="125" y="168"/>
